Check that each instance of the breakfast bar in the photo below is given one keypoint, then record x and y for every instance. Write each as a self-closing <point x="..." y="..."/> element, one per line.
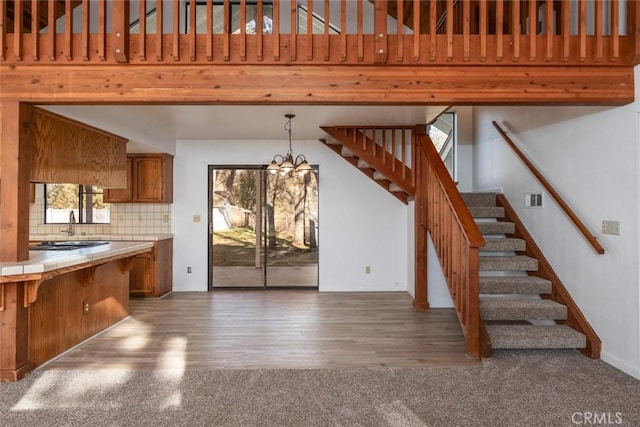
<point x="60" y="298"/>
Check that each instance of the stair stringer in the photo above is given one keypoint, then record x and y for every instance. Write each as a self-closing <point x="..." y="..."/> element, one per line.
<point x="380" y="160"/>
<point x="559" y="292"/>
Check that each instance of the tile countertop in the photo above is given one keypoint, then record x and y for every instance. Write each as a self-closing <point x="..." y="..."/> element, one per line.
<point x="110" y="237"/>
<point x="41" y="261"/>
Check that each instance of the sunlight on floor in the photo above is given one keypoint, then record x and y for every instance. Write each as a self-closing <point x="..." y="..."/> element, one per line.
<point x="135" y="335"/>
<point x="170" y="368"/>
<point x="56" y="389"/>
<point x="397" y="414"/>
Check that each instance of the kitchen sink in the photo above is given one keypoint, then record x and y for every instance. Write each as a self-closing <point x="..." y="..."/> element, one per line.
<point x="66" y="245"/>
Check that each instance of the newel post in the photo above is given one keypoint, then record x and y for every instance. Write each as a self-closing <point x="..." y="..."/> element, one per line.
<point x="120" y="28"/>
<point x="420" y="299"/>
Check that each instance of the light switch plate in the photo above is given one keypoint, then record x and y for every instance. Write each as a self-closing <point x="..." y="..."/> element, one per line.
<point x="196" y="218"/>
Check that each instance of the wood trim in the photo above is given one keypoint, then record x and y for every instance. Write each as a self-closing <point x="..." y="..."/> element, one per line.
<point x="559" y="292"/>
<point x="552" y="191"/>
<point x="3" y="29"/>
<point x="319" y="85"/>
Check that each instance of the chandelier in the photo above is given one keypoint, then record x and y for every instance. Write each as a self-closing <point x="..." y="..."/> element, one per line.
<point x="287" y="163"/>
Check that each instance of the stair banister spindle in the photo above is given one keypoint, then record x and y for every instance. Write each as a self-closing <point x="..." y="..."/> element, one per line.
<point x="552" y="191"/>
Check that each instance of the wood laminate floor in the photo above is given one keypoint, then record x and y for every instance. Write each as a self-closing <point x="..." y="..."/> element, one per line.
<point x="275" y="329"/>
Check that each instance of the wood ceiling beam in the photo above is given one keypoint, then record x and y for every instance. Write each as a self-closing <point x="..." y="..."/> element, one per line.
<point x="364" y="85"/>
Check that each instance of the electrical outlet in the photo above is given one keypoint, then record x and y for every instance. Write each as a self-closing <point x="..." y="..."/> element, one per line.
<point x="165" y="218"/>
<point x="85" y="307"/>
<point x="367" y="269"/>
<point x="140" y="218"/>
<point x="533" y="200"/>
<point x="611" y="227"/>
<point x="196" y="218"/>
<point x="188" y="270"/>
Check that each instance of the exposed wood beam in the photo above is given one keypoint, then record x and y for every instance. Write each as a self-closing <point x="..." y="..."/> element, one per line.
<point x="435" y="85"/>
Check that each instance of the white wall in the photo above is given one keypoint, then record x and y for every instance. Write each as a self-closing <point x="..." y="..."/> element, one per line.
<point x="360" y="223"/>
<point x="590" y="155"/>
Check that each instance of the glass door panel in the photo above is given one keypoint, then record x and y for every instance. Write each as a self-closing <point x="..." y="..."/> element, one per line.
<point x="291" y="226"/>
<point x="236" y="252"/>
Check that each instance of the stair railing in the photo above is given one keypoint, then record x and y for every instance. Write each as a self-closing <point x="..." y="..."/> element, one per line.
<point x="545" y="183"/>
<point x="441" y="211"/>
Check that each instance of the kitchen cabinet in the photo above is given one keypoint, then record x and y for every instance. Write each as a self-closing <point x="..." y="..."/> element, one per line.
<point x="150" y="180"/>
<point x="151" y="275"/>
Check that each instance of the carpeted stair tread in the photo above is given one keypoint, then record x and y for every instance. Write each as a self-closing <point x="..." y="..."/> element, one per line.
<point x="508" y="263"/>
<point x="514" y="285"/>
<point x="486" y="211"/>
<point x="497" y="227"/>
<point x="479" y="199"/>
<point x="535" y="336"/>
<point x="364" y="165"/>
<point x="503" y="245"/>
<point x="521" y="309"/>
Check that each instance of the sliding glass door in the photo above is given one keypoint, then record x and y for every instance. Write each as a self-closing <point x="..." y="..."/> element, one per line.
<point x="263" y="228"/>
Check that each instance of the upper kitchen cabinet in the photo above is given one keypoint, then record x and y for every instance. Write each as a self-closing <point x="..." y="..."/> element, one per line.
<point x="150" y="180"/>
<point x="69" y="152"/>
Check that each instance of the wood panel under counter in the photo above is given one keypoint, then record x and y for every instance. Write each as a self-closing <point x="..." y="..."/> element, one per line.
<point x="58" y="300"/>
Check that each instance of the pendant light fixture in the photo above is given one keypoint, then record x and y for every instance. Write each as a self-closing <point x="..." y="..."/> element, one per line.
<point x="287" y="164"/>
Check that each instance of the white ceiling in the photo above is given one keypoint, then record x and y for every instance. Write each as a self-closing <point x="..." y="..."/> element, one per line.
<point x="153" y="127"/>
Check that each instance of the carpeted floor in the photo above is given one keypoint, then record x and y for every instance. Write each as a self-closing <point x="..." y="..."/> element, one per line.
<point x="528" y="388"/>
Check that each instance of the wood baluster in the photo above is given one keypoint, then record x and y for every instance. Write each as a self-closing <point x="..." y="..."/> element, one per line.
<point x="549" y="27"/>
<point x="384" y="146"/>
<point x="499" y="30"/>
<point x="450" y="18"/>
<point x="515" y="21"/>
<point x="120" y="27"/>
<point x="17" y="29"/>
<point x="192" y="30"/>
<point x="293" y="45"/>
<point x="209" y="31"/>
<point x="381" y="32"/>
<point x="243" y="30"/>
<point x="483" y="30"/>
<point x="404" y="154"/>
<point x="416" y="30"/>
<point x="413" y="158"/>
<point x="374" y="141"/>
<point x="259" y="25"/>
<point x="327" y="38"/>
<point x="142" y="33"/>
<point x="599" y="30"/>
<point x="533" y="29"/>
<point x="102" y="30"/>
<point x="3" y="29"/>
<point x="433" y="36"/>
<point x="226" y="31"/>
<point x="566" y="31"/>
<point x="35" y="28"/>
<point x="175" y="48"/>
<point x="615" y="30"/>
<point x="582" y="30"/>
<point x="159" y="27"/>
<point x="466" y="30"/>
<point x="360" y="34"/>
<point x="393" y="151"/>
<point x="276" y="30"/>
<point x="310" y="29"/>
<point x="343" y="30"/>
<point x="400" y="32"/>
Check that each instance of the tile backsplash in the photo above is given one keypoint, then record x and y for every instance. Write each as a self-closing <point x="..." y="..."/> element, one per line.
<point x="125" y="218"/>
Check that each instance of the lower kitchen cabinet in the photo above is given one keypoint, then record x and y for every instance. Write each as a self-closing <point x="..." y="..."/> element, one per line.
<point x="152" y="273"/>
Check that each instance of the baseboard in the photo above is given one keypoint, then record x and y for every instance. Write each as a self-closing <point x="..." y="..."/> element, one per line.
<point x="614" y="361"/>
<point x="489" y="190"/>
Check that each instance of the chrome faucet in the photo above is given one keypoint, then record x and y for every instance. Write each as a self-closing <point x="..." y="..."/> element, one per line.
<point x="72" y="222"/>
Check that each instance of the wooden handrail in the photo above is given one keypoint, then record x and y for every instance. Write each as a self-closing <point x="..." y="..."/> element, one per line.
<point x="559" y="200"/>
<point x="441" y="211"/>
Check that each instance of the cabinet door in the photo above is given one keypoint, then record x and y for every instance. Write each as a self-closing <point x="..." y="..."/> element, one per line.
<point x="142" y="277"/>
<point x="121" y="195"/>
<point x="148" y="186"/>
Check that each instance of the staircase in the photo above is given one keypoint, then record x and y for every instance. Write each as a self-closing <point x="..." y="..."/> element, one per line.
<point x="520" y="305"/>
<point x="383" y="153"/>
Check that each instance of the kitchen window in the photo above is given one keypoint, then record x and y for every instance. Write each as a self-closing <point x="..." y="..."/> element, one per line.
<point x="86" y="201"/>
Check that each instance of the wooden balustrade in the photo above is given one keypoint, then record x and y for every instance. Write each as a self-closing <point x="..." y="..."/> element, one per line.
<point x="390" y="32"/>
<point x="441" y="211"/>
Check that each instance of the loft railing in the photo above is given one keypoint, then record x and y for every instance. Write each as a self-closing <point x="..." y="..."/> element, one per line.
<point x="390" y="32"/>
<point x="552" y="191"/>
<point x="441" y="210"/>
